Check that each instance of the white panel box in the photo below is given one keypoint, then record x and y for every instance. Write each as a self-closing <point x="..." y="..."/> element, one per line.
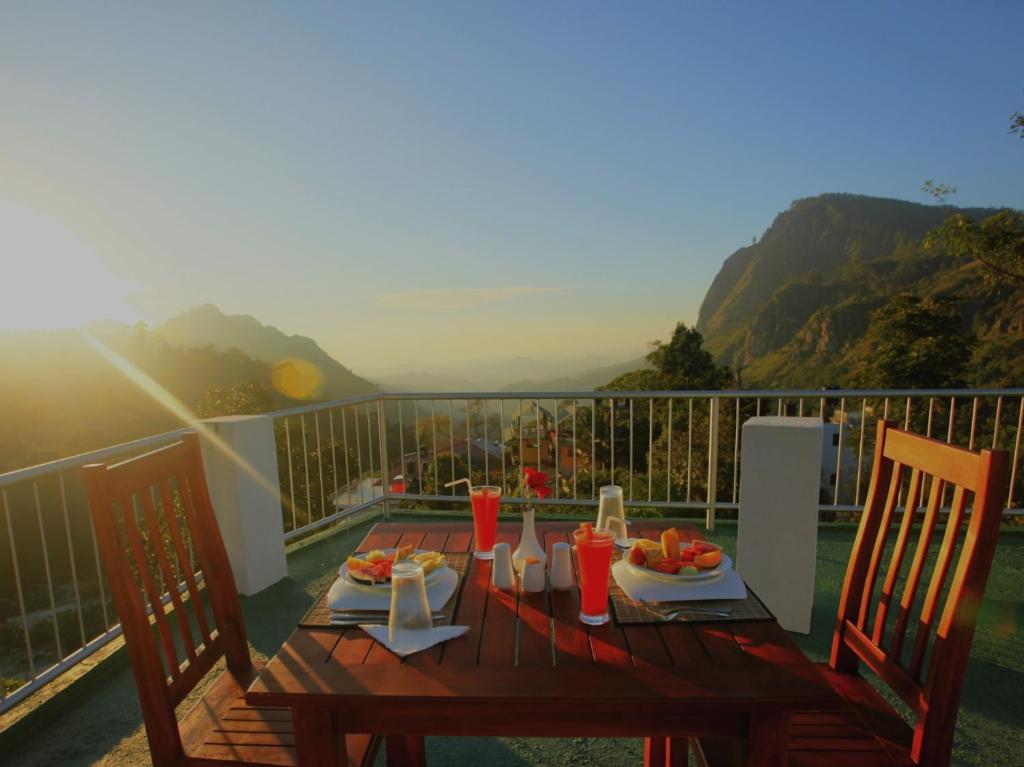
<point x="240" y="460"/>
<point x="777" y="537"/>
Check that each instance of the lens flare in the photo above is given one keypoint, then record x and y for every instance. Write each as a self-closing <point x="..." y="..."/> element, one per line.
<point x="177" y="408"/>
<point x="297" y="378"/>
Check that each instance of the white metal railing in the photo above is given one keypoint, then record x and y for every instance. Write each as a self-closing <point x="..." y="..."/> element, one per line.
<point x="55" y="609"/>
<point x="671" y="451"/>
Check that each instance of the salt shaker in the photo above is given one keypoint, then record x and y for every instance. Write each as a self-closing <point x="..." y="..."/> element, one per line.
<point x="533" y="575"/>
<point x="502" y="575"/>
<point x="561" y="566"/>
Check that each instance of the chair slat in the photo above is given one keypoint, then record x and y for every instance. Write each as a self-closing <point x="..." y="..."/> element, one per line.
<point x="929" y="608"/>
<point x="170" y="578"/>
<point x="896" y="562"/>
<point x="954" y="464"/>
<point x="879" y="545"/>
<point x="184" y="561"/>
<point x="924" y="542"/>
<point x="152" y="591"/>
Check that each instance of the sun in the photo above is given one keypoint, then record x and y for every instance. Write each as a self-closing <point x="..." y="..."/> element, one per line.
<point x="51" y="279"/>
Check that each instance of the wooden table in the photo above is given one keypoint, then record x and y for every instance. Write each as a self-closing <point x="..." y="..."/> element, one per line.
<point x="528" y="667"/>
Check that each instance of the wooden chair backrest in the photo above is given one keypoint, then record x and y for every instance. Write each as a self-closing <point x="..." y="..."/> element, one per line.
<point x="907" y="469"/>
<point x="157" y="532"/>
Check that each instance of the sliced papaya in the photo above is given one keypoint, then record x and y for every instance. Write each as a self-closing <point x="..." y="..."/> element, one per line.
<point x="708" y="559"/>
<point x="670" y="544"/>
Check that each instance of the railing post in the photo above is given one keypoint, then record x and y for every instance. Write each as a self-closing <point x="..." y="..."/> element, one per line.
<point x="382" y="442"/>
<point x="712" y="462"/>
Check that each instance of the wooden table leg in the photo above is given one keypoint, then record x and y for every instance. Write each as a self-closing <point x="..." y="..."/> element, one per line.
<point x="316" y="738"/>
<point x="405" y="751"/>
<point x="768" y="739"/>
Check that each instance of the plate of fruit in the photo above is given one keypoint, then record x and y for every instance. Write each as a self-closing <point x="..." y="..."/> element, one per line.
<point x="677" y="561"/>
<point x="373" y="568"/>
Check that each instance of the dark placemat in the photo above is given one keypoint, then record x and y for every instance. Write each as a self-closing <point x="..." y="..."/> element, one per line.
<point x="628" y="612"/>
<point x="319" y="615"/>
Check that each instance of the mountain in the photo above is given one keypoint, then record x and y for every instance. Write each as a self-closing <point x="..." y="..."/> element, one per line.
<point x="207" y="325"/>
<point x="586" y="380"/>
<point x="58" y="396"/>
<point x="792" y="309"/>
<point x="495" y="375"/>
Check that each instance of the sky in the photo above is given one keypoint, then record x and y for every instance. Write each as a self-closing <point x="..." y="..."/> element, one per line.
<point x="431" y="184"/>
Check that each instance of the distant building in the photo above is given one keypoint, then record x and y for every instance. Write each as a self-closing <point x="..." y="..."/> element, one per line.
<point x="830" y="449"/>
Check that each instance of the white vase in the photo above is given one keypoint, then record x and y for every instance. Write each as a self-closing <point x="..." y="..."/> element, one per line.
<point x="529" y="546"/>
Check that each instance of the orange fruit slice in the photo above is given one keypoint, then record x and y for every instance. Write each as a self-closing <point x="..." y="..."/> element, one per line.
<point x="670" y="544"/>
<point x="709" y="559"/>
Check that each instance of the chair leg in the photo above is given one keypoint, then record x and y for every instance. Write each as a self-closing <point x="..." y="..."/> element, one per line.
<point x="655" y="751"/>
<point x="677" y="752"/>
<point x="405" y="751"/>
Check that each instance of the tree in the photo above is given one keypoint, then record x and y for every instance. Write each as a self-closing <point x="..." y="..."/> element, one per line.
<point x="245" y="398"/>
<point x="682" y="363"/>
<point x="997" y="242"/>
<point x="915" y="343"/>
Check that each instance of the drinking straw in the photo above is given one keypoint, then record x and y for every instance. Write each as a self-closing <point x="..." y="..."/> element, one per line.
<point x="457" y="481"/>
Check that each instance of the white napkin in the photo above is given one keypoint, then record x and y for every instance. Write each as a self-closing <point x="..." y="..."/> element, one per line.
<point x="349" y="596"/>
<point x="414" y="641"/>
<point x="640" y="589"/>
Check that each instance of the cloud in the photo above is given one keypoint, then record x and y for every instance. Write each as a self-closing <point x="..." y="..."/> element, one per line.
<point x="462" y="298"/>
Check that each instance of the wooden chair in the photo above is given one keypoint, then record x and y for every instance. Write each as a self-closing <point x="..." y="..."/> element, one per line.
<point x="156" y="529"/>
<point x="876" y="609"/>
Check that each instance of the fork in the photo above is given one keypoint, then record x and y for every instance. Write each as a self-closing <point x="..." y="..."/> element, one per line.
<point x="671" y="615"/>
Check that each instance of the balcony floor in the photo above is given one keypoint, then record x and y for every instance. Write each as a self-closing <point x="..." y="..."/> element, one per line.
<point x="99" y="720"/>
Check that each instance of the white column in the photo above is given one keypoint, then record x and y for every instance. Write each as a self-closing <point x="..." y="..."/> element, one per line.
<point x="777" y="539"/>
<point x="240" y="460"/>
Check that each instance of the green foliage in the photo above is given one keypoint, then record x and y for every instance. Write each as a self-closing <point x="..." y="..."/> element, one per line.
<point x="244" y="398"/>
<point x="682" y="363"/>
<point x="915" y="343"/>
<point x="997" y="242"/>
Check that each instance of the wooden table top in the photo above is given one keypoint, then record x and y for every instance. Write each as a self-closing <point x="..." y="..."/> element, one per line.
<point x="528" y="666"/>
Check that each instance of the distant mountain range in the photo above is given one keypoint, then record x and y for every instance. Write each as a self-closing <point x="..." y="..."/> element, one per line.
<point x="207" y="325"/>
<point x="792" y="309"/>
<point x="586" y="380"/>
<point x="526" y="373"/>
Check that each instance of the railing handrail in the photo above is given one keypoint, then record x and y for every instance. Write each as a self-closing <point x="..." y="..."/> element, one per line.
<point x="74" y="461"/>
<point x="687" y="393"/>
<point x="92" y="456"/>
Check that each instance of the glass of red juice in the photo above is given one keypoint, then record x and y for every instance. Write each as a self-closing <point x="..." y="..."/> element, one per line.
<point x="484" y="499"/>
<point x="594" y="561"/>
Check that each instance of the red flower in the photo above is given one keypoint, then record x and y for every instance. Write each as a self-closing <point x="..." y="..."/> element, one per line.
<point x="537" y="482"/>
<point x="535" y="478"/>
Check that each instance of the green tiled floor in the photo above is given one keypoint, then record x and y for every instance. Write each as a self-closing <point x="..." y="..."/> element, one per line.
<point x="101" y="723"/>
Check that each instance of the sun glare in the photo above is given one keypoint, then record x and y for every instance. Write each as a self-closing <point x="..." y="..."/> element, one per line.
<point x="52" y="279"/>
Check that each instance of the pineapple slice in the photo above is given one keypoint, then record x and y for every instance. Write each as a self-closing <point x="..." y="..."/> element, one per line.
<point x="354" y="564"/>
<point x="376" y="556"/>
<point x="430" y="560"/>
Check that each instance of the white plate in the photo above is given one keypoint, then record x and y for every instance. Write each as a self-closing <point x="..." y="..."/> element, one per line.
<point x="429" y="578"/>
<point x="703" y="575"/>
